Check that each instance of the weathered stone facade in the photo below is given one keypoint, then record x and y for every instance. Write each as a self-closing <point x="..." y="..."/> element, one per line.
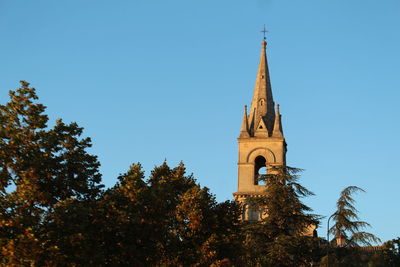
<point x="261" y="140"/>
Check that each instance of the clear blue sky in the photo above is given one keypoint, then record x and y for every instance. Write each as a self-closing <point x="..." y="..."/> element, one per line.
<point x="155" y="80"/>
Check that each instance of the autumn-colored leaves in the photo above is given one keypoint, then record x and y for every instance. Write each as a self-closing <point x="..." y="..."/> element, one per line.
<point x="53" y="211"/>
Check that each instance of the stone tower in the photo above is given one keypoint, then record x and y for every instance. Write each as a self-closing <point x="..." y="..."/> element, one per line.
<point x="261" y="140"/>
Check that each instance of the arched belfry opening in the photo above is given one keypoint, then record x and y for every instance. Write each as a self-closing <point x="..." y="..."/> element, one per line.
<point x="260" y="170"/>
<point x="261" y="142"/>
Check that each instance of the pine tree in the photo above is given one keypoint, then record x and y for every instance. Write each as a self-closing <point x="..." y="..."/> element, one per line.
<point x="280" y="239"/>
<point x="347" y="226"/>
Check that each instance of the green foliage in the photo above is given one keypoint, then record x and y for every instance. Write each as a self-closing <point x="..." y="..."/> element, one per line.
<point x="348" y="236"/>
<point x="168" y="220"/>
<point x="40" y="169"/>
<point x="279" y="238"/>
<point x="391" y="253"/>
<point x="346" y="221"/>
<point x="53" y="211"/>
<point x="380" y="256"/>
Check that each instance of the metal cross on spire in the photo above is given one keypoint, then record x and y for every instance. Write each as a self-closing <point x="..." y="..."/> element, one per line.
<point x="264" y="31"/>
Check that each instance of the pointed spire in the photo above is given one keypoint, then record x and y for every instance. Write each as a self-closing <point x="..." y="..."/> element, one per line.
<point x="277" y="124"/>
<point x="262" y="105"/>
<point x="244" y="132"/>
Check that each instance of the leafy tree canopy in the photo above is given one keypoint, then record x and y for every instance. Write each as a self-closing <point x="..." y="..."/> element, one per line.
<point x="40" y="168"/>
<point x="55" y="212"/>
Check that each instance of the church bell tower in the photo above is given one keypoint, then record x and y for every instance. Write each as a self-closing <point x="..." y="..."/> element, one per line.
<point x="261" y="141"/>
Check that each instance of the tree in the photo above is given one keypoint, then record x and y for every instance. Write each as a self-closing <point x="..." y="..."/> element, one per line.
<point x="165" y="220"/>
<point x="53" y="211"/>
<point x="391" y="252"/>
<point x="280" y="239"/>
<point x="347" y="226"/>
<point x="40" y="170"/>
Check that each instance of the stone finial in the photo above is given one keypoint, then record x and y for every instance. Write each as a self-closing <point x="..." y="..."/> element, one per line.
<point x="277" y="132"/>
<point x="244" y="132"/>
